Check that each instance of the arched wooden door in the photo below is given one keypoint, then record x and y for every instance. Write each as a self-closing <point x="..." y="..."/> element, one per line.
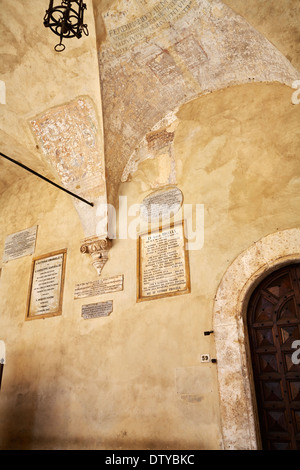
<point x="273" y="326"/>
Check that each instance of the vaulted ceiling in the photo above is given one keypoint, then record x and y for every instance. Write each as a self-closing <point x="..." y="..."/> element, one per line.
<point x="133" y="100"/>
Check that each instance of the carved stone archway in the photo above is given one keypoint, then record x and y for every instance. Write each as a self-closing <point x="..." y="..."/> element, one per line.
<point x="240" y="429"/>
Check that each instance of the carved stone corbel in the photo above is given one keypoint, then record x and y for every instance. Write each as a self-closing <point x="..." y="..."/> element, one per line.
<point x="98" y="248"/>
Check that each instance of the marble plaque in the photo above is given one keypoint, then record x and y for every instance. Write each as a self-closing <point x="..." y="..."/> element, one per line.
<point x="161" y="204"/>
<point x="97" y="310"/>
<point x="163" y="267"/>
<point x="20" y="244"/>
<point x="46" y="286"/>
<point x="99" y="287"/>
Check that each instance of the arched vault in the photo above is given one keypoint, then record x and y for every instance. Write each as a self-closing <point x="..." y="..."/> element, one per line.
<point x="155" y="56"/>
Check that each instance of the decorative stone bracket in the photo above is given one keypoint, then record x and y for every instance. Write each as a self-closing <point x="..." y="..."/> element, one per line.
<point x="98" y="248"/>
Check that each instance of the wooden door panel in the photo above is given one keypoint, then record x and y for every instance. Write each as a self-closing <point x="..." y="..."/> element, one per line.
<point x="273" y="326"/>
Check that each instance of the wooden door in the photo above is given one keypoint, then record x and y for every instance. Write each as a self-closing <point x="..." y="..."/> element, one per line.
<point x="273" y="326"/>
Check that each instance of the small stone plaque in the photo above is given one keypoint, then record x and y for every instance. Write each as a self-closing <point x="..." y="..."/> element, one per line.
<point x="99" y="287"/>
<point x="161" y="204"/>
<point x="99" y="309"/>
<point x="20" y="244"/>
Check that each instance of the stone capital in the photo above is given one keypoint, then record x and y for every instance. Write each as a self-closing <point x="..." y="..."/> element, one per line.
<point x="98" y="249"/>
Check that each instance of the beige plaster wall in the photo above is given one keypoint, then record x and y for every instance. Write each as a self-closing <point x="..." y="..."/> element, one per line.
<point x="134" y="380"/>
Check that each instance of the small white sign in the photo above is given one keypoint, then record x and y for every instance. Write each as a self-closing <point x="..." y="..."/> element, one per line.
<point x="2" y="92"/>
<point x="2" y="352"/>
<point x="97" y="310"/>
<point x="20" y="244"/>
<point x="161" y="204"/>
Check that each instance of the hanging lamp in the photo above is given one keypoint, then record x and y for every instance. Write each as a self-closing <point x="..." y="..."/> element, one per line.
<point x="65" y="19"/>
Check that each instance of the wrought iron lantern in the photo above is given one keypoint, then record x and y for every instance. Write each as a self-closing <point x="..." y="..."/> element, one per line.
<point x="66" y="20"/>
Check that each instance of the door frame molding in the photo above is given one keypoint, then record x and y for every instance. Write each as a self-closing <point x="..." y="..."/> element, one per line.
<point x="239" y="420"/>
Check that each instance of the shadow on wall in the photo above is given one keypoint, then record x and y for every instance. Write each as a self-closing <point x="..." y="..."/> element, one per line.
<point x="31" y="421"/>
<point x="27" y="405"/>
<point x="18" y="419"/>
<point x="19" y="442"/>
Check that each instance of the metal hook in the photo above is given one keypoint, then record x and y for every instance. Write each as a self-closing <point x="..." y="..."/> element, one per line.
<point x="85" y="29"/>
<point x="61" y="45"/>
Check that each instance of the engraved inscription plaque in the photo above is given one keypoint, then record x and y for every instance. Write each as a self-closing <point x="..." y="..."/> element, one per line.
<point x="46" y="285"/>
<point x="20" y="244"/>
<point x="99" y="287"/>
<point x="161" y="204"/>
<point x="99" y="309"/>
<point x="163" y="267"/>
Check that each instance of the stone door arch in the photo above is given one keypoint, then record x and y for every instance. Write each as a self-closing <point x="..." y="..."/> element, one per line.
<point x="239" y="422"/>
<point x="273" y="320"/>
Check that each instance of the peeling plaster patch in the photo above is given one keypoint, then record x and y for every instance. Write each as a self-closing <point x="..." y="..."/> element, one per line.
<point x="158" y="146"/>
<point x="159" y="139"/>
<point x="70" y="138"/>
<point x="168" y="124"/>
